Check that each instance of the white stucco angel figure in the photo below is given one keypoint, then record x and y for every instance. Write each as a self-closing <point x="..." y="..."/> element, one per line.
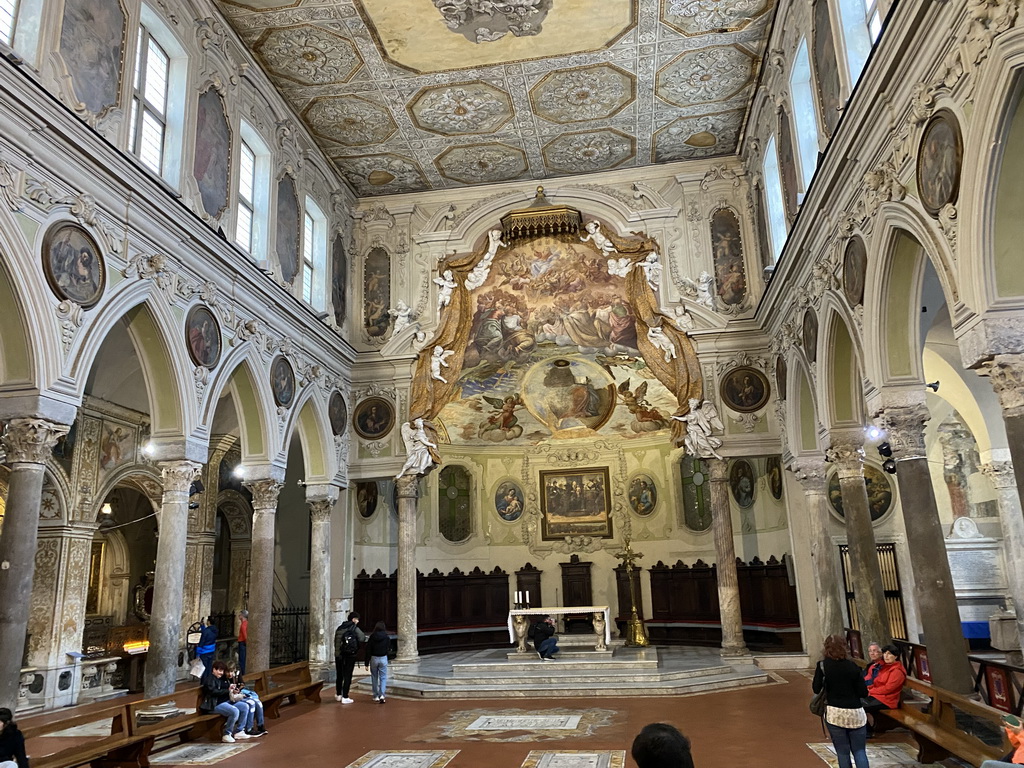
<point x="403" y="314"/>
<point x="445" y="285"/>
<point x="619" y="267"/>
<point x="657" y="336"/>
<point x="683" y="318"/>
<point x="478" y="276"/>
<point x="652" y="270"/>
<point x="700" y="422"/>
<point x="438" y="361"/>
<point x="418" y="460"/>
<point x="700" y="291"/>
<point x="596" y="236"/>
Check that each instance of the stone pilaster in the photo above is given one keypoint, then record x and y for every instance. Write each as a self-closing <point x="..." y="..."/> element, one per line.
<point x="321" y="650"/>
<point x="27" y="444"/>
<point x="407" y="487"/>
<point x="933" y="582"/>
<point x="865" y="573"/>
<point x="725" y="561"/>
<point x="1007" y="375"/>
<point x="165" y="630"/>
<point x="1012" y="522"/>
<point x="812" y="474"/>
<point x="261" y="572"/>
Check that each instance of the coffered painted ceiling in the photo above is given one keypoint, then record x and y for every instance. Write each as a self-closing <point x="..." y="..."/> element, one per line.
<point x="409" y="95"/>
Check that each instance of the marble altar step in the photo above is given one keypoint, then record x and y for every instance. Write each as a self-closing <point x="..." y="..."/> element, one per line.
<point x="556" y="673"/>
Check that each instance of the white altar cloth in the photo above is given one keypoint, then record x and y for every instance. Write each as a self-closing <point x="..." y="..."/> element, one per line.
<point x="560" y="612"/>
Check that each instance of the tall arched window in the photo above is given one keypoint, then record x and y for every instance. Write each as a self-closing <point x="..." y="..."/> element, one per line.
<point x="314" y="256"/>
<point x="805" y="115"/>
<point x="454" y="512"/>
<point x="861" y="23"/>
<point x="696" y="495"/>
<point x="777" y="230"/>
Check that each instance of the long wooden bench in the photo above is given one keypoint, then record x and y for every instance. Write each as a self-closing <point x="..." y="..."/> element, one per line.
<point x="289" y="683"/>
<point x="933" y="722"/>
<point x="116" y="747"/>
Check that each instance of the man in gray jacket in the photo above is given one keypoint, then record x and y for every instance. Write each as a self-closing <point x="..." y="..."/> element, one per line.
<point x="347" y="639"/>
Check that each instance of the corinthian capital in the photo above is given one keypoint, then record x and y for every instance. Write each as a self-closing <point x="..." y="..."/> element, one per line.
<point x="407" y="486"/>
<point x="320" y="510"/>
<point x="1007" y="375"/>
<point x="812" y="474"/>
<point x="29" y="441"/>
<point x="848" y="457"/>
<point x="264" y="493"/>
<point x="904" y="426"/>
<point x="179" y="475"/>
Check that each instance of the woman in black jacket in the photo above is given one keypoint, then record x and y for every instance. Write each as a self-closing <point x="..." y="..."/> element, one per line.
<point x="12" y="743"/>
<point x="377" y="646"/>
<point x="844" y="688"/>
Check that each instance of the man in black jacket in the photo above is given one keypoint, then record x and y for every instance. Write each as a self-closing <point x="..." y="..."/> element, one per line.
<point x="544" y="639"/>
<point x="345" y="655"/>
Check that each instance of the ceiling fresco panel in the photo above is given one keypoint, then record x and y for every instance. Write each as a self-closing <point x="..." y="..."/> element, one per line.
<point x="482" y="163"/>
<point x="588" y="151"/>
<point x="578" y="95"/>
<point x="350" y="120"/>
<point x="701" y="77"/>
<point x="702" y="17"/>
<point x="308" y="55"/>
<point x="467" y="108"/>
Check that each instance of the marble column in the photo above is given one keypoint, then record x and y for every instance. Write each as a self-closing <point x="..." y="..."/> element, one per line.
<point x="261" y="572"/>
<point x="1011" y="520"/>
<point x="27" y="444"/>
<point x="1007" y="375"/>
<point x="321" y="651"/>
<point x="865" y="572"/>
<point x="812" y="475"/>
<point x="933" y="582"/>
<point x="165" y="628"/>
<point x="725" y="561"/>
<point x="407" y="487"/>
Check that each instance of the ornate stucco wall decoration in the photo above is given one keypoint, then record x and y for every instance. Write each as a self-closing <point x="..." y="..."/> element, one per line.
<point x="485" y="22"/>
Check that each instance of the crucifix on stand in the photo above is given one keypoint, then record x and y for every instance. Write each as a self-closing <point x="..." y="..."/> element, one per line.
<point x="636" y="634"/>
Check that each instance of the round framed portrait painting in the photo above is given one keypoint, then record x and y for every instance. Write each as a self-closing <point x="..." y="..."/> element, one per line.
<point x="337" y="413"/>
<point x="643" y="495"/>
<point x="366" y="499"/>
<point x="374" y="417"/>
<point x="282" y="382"/>
<point x="508" y="501"/>
<point x="202" y="334"/>
<point x="741" y="482"/>
<point x="879" y="492"/>
<point x="73" y="265"/>
<point x="939" y="160"/>
<point x="745" y="389"/>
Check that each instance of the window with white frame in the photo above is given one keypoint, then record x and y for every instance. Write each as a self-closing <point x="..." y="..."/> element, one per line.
<point x="246" y="196"/>
<point x="253" y="197"/>
<point x="149" y="102"/>
<point x="8" y="16"/>
<point x="805" y="115"/>
<point x="777" y="230"/>
<point x="861" y="22"/>
<point x="314" y="255"/>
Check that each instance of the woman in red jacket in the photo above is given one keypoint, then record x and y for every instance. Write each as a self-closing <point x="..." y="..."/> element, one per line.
<point x="884" y="692"/>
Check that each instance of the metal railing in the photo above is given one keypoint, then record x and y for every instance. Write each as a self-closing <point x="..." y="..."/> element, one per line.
<point x="289" y="633"/>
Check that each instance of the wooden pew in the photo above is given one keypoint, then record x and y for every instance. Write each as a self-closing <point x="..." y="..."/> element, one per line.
<point x="933" y="723"/>
<point x="289" y="683"/>
<point x="117" y="747"/>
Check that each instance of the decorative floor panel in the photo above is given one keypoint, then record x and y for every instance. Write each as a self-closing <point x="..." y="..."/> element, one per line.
<point x="198" y="754"/>
<point x="515" y="725"/>
<point x="879" y="755"/>
<point x="405" y="758"/>
<point x="576" y="758"/>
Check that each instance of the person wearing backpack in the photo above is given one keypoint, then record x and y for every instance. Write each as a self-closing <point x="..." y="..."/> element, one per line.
<point x="347" y="639"/>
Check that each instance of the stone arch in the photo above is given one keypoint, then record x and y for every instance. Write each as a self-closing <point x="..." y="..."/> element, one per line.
<point x="840" y="377"/>
<point x="803" y="409"/>
<point x="139" y="477"/>
<point x="242" y="374"/>
<point x="159" y="343"/>
<point x="238" y="512"/>
<point x="308" y="418"/>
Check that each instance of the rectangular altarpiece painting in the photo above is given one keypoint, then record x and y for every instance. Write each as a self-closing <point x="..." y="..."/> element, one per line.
<point x="575" y="503"/>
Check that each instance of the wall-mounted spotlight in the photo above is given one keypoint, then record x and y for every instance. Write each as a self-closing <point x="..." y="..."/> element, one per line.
<point x="874" y="433"/>
<point x="196" y="487"/>
<point x="239" y="471"/>
<point x="933" y="386"/>
<point x="884" y="450"/>
<point x="889" y="466"/>
<point x="301" y="483"/>
<point x="149" y="449"/>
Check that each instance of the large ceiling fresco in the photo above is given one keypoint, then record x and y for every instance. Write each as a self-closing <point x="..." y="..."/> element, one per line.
<point x="552" y="353"/>
<point x="410" y="95"/>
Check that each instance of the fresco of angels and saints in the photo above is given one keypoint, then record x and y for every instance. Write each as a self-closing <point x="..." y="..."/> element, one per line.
<point x="552" y="353"/>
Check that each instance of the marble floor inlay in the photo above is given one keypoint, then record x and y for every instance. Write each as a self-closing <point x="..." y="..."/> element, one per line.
<point x="576" y="758"/>
<point x="405" y="758"/>
<point x="515" y="725"/>
<point x="198" y="754"/>
<point x="879" y="756"/>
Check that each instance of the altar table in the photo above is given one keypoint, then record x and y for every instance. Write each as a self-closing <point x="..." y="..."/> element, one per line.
<point x="520" y="619"/>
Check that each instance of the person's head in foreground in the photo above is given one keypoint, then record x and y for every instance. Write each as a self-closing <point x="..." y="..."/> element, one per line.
<point x="660" y="745"/>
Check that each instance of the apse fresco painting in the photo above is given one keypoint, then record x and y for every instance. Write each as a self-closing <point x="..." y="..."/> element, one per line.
<point x="552" y="353"/>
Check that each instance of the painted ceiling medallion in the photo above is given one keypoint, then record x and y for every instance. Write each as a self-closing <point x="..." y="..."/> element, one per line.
<point x="690" y="137"/>
<point x="308" y="55"/>
<point x="484" y="21"/>
<point x="578" y="95"/>
<point x="590" y="151"/>
<point x="699" y="17"/>
<point x="482" y="163"/>
<point x="710" y="74"/>
<point x="350" y="120"/>
<point x="465" y="108"/>
<point x="376" y="174"/>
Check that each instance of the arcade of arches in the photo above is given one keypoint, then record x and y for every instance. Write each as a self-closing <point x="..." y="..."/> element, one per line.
<point x="775" y="319"/>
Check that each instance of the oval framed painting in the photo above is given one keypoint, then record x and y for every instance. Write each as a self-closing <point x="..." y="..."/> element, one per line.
<point x="939" y="160"/>
<point x="373" y="417"/>
<point x="745" y="389"/>
<point x="781" y="378"/>
<point x="337" y="414"/>
<point x="508" y="501"/>
<point x="282" y="382"/>
<point x="741" y="482"/>
<point x="880" y="493"/>
<point x="366" y="498"/>
<point x="643" y="495"/>
<point x="810" y="335"/>
<point x="202" y="335"/>
<point x="855" y="266"/>
<point x="73" y="265"/>
<point x="773" y="472"/>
